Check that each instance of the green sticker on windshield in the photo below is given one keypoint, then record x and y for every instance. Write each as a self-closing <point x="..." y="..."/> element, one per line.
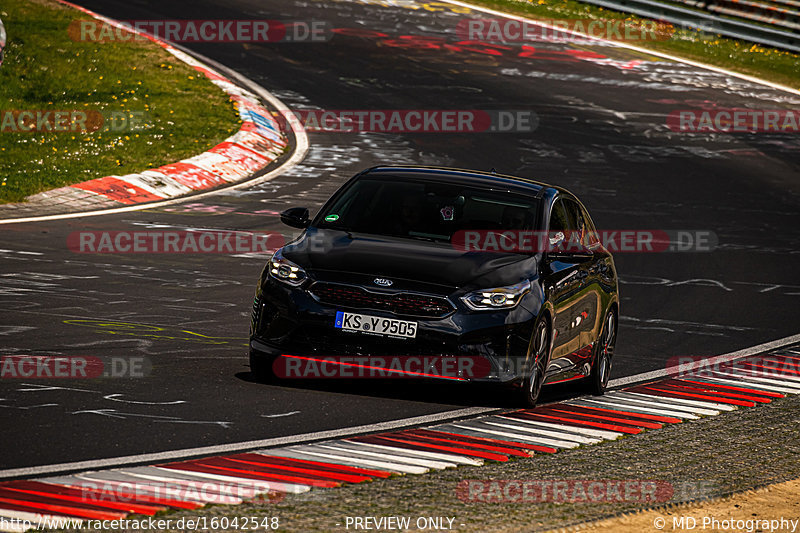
<point x="331" y="218"/>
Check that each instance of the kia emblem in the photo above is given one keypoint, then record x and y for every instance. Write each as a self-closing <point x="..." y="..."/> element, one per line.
<point x="383" y="282"/>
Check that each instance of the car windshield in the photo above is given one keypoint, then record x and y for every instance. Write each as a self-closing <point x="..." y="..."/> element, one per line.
<point x="427" y="210"/>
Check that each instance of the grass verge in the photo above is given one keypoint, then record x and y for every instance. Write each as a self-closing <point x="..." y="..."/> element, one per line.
<point x="178" y="112"/>
<point x="767" y="63"/>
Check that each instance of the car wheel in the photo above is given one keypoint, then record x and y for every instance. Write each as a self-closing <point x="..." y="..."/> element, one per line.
<point x="260" y="368"/>
<point x="604" y="352"/>
<point x="540" y="353"/>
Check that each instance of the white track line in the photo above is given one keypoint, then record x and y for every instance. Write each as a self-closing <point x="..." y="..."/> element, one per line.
<point x="630" y="47"/>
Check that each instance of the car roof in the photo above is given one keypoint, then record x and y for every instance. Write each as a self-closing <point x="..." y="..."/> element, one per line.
<point x="456" y="175"/>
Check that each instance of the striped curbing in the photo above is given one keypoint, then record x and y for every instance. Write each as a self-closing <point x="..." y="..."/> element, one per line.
<point x="258" y="143"/>
<point x="272" y="473"/>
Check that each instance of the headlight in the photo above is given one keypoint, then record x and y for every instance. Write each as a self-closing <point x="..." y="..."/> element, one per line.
<point x="499" y="298"/>
<point x="284" y="270"/>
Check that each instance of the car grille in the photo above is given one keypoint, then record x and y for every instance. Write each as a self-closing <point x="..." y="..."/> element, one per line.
<point x="399" y="303"/>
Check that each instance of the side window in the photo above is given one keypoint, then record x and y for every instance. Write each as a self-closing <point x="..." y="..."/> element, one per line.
<point x="592" y="237"/>
<point x="558" y="218"/>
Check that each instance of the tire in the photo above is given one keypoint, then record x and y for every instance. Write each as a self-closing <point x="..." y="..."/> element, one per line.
<point x="603" y="355"/>
<point x="260" y="368"/>
<point x="540" y="354"/>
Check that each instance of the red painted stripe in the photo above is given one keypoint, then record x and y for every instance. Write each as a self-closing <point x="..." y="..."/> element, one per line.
<point x="784" y="361"/>
<point x="511" y="448"/>
<point x="568" y="421"/>
<point x="710" y="388"/>
<point x="334" y="467"/>
<point x="731" y="387"/>
<point x="713" y="395"/>
<point x="266" y="470"/>
<point x="98" y="499"/>
<point x="154" y="488"/>
<point x="131" y="492"/>
<point x="117" y="189"/>
<point x="446" y="441"/>
<point x="666" y="393"/>
<point x="646" y="416"/>
<point x="36" y="504"/>
<point x="317" y="474"/>
<point x="795" y="357"/>
<point x="389" y="439"/>
<point x="583" y="417"/>
<point x="616" y="419"/>
<point x="247" y="474"/>
<point x="525" y="445"/>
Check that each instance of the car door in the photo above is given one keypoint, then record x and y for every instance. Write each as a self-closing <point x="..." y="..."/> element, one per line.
<point x="575" y="305"/>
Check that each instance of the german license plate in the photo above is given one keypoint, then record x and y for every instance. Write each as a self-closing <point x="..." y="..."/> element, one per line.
<point x="375" y="325"/>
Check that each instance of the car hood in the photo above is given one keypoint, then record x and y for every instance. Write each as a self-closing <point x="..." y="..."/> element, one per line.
<point x="361" y="255"/>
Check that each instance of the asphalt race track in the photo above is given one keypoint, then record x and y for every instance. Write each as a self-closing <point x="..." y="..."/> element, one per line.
<point x="602" y="133"/>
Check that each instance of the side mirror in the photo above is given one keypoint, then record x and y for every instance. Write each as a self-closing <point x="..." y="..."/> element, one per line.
<point x="296" y="217"/>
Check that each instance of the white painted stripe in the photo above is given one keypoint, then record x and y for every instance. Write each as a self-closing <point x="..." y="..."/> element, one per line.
<point x="120" y="485"/>
<point x="760" y="379"/>
<point x="537" y="433"/>
<point x="623" y="44"/>
<point x="34" y="518"/>
<point x="244" y="446"/>
<point x="281" y="452"/>
<point x="748" y="385"/>
<point x="205" y="492"/>
<point x="387" y="450"/>
<point x="370" y="463"/>
<point x="292" y="488"/>
<point x="519" y="436"/>
<point x="160" y="475"/>
<point x="592" y="432"/>
<point x="628" y="408"/>
<point x="391" y="454"/>
<point x="511" y="422"/>
<point x="684" y="401"/>
<point x="444" y="456"/>
<point x="638" y="399"/>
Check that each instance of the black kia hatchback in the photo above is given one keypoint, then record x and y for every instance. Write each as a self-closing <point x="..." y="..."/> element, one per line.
<point x="438" y="273"/>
